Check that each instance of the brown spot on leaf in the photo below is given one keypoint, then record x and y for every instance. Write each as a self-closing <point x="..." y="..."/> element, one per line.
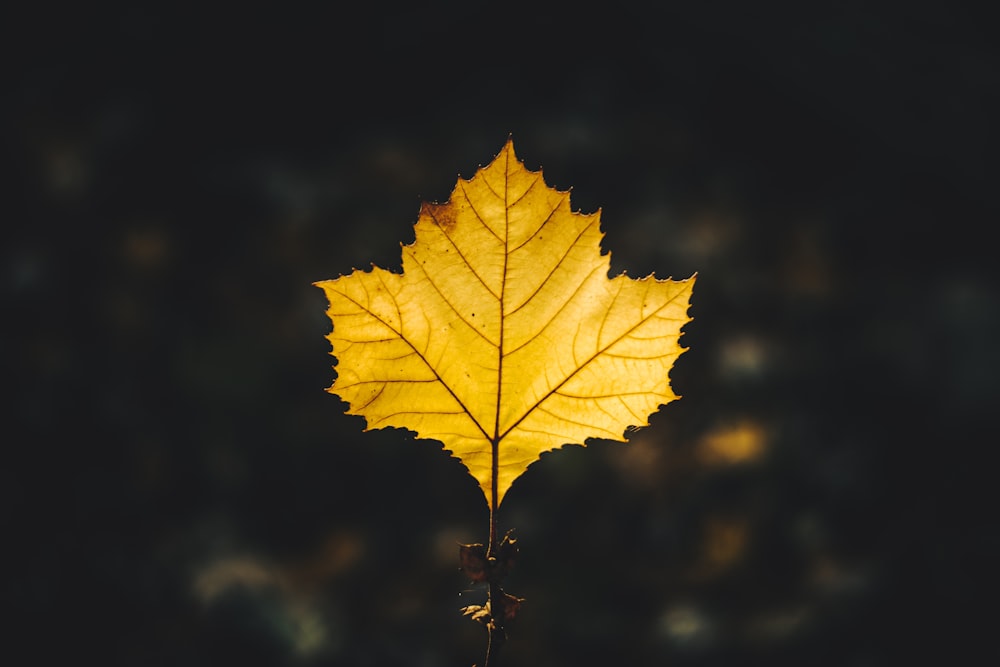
<point x="443" y="215"/>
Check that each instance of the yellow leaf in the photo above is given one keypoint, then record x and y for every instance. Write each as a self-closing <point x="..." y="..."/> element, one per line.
<point x="504" y="337"/>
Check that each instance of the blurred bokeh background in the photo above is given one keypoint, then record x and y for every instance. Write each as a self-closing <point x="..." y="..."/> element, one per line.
<point x="179" y="489"/>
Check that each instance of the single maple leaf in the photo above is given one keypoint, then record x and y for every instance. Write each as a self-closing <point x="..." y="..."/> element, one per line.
<point x="503" y="337"/>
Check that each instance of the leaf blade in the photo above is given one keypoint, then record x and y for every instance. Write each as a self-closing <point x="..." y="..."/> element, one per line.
<point x="504" y="337"/>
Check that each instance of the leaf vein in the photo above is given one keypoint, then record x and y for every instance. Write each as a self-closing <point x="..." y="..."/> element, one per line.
<point x="384" y="418"/>
<point x="551" y="273"/>
<point x="568" y="300"/>
<point x="571" y="375"/>
<point x="372" y="399"/>
<point x="360" y="383"/>
<point x="444" y="384"/>
<point x="615" y="394"/>
<point x="462" y="254"/>
<point x="455" y="310"/>
<point x="528" y="189"/>
<point x="629" y="408"/>
<point x="475" y="211"/>
<point x="542" y="226"/>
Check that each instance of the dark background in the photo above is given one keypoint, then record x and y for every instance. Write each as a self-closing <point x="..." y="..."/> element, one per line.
<point x="179" y="489"/>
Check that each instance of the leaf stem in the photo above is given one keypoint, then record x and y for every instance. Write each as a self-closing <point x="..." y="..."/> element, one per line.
<point x="491" y="546"/>
<point x="495" y="597"/>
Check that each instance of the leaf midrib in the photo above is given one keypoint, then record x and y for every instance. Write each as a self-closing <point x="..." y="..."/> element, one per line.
<point x="495" y="442"/>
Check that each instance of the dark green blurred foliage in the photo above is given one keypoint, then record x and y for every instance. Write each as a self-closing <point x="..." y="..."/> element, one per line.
<point x="180" y="490"/>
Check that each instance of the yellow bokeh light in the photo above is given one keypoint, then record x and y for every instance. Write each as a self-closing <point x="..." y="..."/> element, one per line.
<point x="741" y="442"/>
